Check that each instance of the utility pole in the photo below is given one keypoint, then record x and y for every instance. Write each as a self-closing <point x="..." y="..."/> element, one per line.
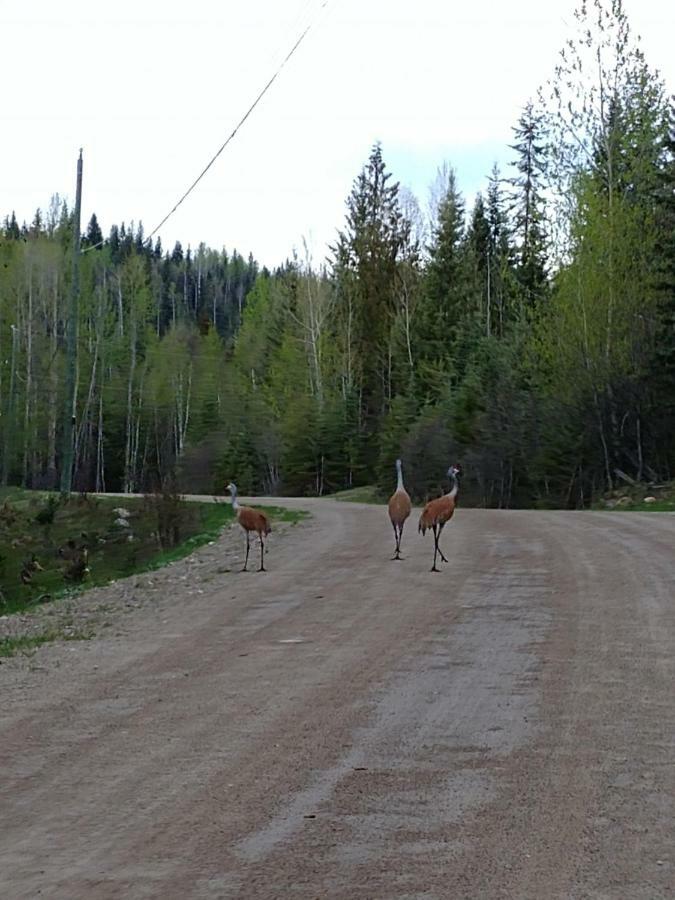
<point x="71" y="346"/>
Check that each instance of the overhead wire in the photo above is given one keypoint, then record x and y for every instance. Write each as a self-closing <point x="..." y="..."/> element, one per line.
<point x="279" y="67"/>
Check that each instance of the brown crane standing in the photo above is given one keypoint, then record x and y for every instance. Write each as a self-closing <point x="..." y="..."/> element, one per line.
<point x="437" y="512"/>
<point x="251" y="520"/>
<point x="399" y="510"/>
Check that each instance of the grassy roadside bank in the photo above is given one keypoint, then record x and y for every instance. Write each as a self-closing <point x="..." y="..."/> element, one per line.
<point x="640" y="498"/>
<point x="52" y="546"/>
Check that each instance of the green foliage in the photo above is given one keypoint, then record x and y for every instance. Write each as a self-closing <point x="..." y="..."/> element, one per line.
<point x="528" y="205"/>
<point x="395" y="428"/>
<point x="45" y="516"/>
<point x="442" y="308"/>
<point x="241" y="462"/>
<point x="532" y="340"/>
<point x="371" y="265"/>
<point x="11" y="646"/>
<point x="427" y="451"/>
<point x="366" y="494"/>
<point x="162" y="528"/>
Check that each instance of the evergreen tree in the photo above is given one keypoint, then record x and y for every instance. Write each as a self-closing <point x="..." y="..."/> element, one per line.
<point x="114" y="244"/>
<point x="527" y="204"/>
<point x="94" y="235"/>
<point x="501" y="276"/>
<point x="661" y="370"/>
<point x="12" y="230"/>
<point x="478" y="248"/>
<point x="442" y="307"/>
<point x="37" y="224"/>
<point x="365" y="263"/>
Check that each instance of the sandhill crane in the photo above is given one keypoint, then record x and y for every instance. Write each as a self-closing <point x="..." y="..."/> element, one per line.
<point x="437" y="512"/>
<point x="251" y="520"/>
<point x="399" y="510"/>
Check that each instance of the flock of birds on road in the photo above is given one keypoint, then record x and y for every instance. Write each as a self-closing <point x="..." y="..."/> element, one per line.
<point x="435" y="516"/>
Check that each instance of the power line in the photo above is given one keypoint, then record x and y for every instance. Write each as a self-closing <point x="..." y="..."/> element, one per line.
<point x="237" y="126"/>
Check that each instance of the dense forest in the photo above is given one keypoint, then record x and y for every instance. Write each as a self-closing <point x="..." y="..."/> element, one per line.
<point x="530" y="337"/>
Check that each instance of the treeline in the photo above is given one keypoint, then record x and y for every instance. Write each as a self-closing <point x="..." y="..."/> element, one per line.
<point x="530" y="337"/>
<point x="151" y="331"/>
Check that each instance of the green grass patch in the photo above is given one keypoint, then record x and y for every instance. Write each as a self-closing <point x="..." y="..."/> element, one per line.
<point x="281" y="514"/>
<point x="366" y="494"/>
<point x="49" y="530"/>
<point x="26" y="643"/>
<point x="631" y="498"/>
<point x="216" y="515"/>
<point x="10" y="646"/>
<point x="43" y="535"/>
<point x="212" y="517"/>
<point x="641" y="506"/>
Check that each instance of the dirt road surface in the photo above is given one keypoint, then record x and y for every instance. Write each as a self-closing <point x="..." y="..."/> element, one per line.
<point x="345" y="726"/>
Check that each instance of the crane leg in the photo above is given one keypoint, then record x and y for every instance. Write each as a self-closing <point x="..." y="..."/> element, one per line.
<point x="439" y="544"/>
<point x="433" y="568"/>
<point x="397" y="538"/>
<point x="440" y="529"/>
<point x="262" y="555"/>
<point x="248" y="547"/>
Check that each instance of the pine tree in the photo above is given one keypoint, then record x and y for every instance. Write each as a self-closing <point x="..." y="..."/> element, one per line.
<point x="37" y="223"/>
<point x="114" y="244"/>
<point x="661" y="374"/>
<point x="441" y="309"/>
<point x="501" y="291"/>
<point x="12" y="230"/>
<point x="94" y="235"/>
<point x="478" y="248"/>
<point x="527" y="204"/>
<point x="365" y="264"/>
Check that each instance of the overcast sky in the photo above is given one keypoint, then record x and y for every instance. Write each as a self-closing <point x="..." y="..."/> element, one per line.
<point x="151" y="88"/>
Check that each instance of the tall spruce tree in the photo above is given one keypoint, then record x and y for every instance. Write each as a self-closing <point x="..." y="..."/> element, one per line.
<point x="93" y="235"/>
<point x="366" y="257"/>
<point x="478" y="249"/>
<point x="501" y="277"/>
<point x="527" y="204"/>
<point x="661" y="374"/>
<point x="441" y="310"/>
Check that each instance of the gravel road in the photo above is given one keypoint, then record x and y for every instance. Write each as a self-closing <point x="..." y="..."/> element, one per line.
<point x="344" y="726"/>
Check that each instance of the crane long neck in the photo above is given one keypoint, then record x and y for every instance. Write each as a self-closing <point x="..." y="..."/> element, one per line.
<point x="399" y="486"/>
<point x="235" y="502"/>
<point x="452" y="493"/>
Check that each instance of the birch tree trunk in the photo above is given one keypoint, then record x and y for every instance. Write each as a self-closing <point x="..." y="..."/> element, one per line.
<point x="128" y="474"/>
<point x="53" y="403"/>
<point x="28" y="378"/>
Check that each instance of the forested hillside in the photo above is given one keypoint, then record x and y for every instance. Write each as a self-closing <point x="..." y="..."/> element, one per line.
<point x="530" y="337"/>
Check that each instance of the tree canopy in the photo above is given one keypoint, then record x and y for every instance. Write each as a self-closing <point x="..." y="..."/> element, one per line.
<point x="530" y="336"/>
